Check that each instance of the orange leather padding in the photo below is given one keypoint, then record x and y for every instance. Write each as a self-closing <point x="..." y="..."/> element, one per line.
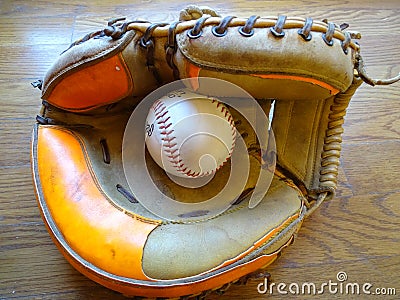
<point x="102" y="83"/>
<point x="91" y="225"/>
<point x="193" y="72"/>
<point x="103" y="235"/>
<point x="177" y="290"/>
<point x="331" y="89"/>
<point x="261" y="241"/>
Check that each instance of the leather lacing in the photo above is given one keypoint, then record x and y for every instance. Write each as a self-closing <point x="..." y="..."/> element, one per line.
<point x="332" y="147"/>
<point x="333" y="138"/>
<point x="277" y="30"/>
<point x="127" y="194"/>
<point x="196" y="31"/>
<point x="346" y="42"/>
<point x="247" y="30"/>
<point x="328" y="35"/>
<point x="221" y="29"/>
<point x="147" y="42"/>
<point x="107" y="160"/>
<point x="170" y="49"/>
<point x="258" y="275"/>
<point x="116" y="28"/>
<point x="105" y="151"/>
<point x="305" y="32"/>
<point x="194" y="12"/>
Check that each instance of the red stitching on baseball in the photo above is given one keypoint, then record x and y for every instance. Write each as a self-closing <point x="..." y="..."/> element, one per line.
<point x="166" y="138"/>
<point x="173" y="157"/>
<point x="170" y="151"/>
<point x="160" y="116"/>
<point x="166" y="127"/>
<point x="157" y="105"/>
<point x="160" y="110"/>
<point x="167" y="132"/>
<point x="233" y="130"/>
<point x="164" y="121"/>
<point x="170" y="145"/>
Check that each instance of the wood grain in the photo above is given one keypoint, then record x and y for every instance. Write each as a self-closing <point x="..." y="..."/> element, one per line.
<point x="356" y="232"/>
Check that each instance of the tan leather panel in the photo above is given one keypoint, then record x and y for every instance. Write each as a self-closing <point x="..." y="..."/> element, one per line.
<point x="262" y="53"/>
<point x="330" y="88"/>
<point x="229" y="237"/>
<point x="296" y="131"/>
<point x="259" y="86"/>
<point x="183" y="288"/>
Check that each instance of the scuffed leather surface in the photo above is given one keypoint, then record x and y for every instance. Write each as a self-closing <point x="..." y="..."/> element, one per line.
<point x="263" y="53"/>
<point x="174" y="247"/>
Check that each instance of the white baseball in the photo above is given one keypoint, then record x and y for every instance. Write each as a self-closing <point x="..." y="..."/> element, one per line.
<point x="189" y="135"/>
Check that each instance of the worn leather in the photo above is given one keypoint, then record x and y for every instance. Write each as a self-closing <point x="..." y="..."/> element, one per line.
<point x="115" y="240"/>
<point x="308" y="74"/>
<point x="103" y="235"/>
<point x="264" y="54"/>
<point x="81" y="176"/>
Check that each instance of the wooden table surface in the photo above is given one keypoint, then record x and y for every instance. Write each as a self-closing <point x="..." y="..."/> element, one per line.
<point x="357" y="232"/>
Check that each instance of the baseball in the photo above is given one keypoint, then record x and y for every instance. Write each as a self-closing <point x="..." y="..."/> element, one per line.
<point x="189" y="135"/>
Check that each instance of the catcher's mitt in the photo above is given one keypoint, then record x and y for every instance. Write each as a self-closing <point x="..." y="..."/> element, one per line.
<point x="308" y="69"/>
